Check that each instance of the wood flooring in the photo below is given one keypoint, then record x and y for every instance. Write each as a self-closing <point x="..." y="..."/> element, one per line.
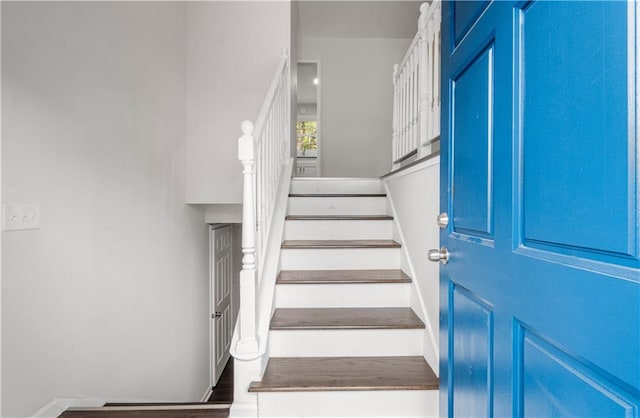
<point x="211" y="411"/>
<point x="339" y="218"/>
<point x="303" y="374"/>
<point x="223" y="391"/>
<point x="332" y="244"/>
<point x="337" y="195"/>
<point x="344" y="318"/>
<point x="342" y="276"/>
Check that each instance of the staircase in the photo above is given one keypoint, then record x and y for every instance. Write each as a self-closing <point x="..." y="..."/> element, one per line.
<point x="343" y="339"/>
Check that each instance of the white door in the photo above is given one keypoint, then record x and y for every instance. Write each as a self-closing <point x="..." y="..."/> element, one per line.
<point x="221" y="313"/>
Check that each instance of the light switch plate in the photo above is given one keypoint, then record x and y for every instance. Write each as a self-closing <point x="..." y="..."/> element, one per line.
<point x="17" y="216"/>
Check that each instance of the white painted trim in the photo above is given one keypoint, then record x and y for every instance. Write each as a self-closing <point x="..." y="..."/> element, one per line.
<point x="412" y="272"/>
<point x="208" y="392"/>
<point x="1" y="195"/>
<point x="318" y="116"/>
<point x="243" y="411"/>
<point x="420" y="166"/>
<point x="212" y="348"/>
<point x="58" y="405"/>
<point x="212" y="302"/>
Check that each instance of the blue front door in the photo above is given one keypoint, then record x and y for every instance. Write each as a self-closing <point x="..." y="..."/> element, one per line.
<point x="540" y="298"/>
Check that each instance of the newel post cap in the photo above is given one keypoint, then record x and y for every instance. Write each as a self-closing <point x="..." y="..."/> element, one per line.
<point x="245" y="143"/>
<point x="246" y="127"/>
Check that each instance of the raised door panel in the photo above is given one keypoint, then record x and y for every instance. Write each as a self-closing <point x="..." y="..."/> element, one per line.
<point x="473" y="138"/>
<point x="555" y="383"/>
<point x="471" y="327"/>
<point x="574" y="98"/>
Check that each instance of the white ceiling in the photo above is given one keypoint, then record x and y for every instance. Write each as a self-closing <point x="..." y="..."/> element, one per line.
<point x="358" y="19"/>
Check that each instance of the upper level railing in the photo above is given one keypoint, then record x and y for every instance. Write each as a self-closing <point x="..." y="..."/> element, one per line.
<point x="263" y="150"/>
<point x="416" y="90"/>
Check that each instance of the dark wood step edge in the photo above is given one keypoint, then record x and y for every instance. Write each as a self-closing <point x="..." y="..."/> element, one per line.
<point x="337" y="195"/>
<point x="338" y="244"/>
<point x="257" y="387"/>
<point x="339" y="218"/>
<point x="154" y="407"/>
<point x="344" y="277"/>
<point x="216" y="405"/>
<point x="295" y="374"/>
<point x="300" y="319"/>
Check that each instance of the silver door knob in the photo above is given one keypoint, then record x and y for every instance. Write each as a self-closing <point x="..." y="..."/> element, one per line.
<point x="443" y="220"/>
<point x="441" y="255"/>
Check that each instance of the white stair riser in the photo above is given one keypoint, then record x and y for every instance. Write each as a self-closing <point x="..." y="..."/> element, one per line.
<point x="337" y="206"/>
<point x="366" y="295"/>
<point x="346" y="343"/>
<point x="342" y="186"/>
<point x="347" y="229"/>
<point x="370" y="404"/>
<point x="340" y="259"/>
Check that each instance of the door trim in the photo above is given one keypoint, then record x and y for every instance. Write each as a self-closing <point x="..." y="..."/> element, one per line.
<point x="212" y="300"/>
<point x="318" y="110"/>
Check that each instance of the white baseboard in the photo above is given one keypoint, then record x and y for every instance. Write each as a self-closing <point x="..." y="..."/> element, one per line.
<point x="58" y="405"/>
<point x="208" y="393"/>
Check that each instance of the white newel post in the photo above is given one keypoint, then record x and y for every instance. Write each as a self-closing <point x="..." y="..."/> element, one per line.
<point x="263" y="151"/>
<point x="247" y="347"/>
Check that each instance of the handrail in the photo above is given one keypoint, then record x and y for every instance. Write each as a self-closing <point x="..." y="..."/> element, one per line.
<point x="416" y="90"/>
<point x="264" y="151"/>
<point x="264" y="109"/>
<point x="407" y="54"/>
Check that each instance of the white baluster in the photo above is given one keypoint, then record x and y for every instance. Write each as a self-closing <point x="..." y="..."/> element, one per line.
<point x="416" y="115"/>
<point x="410" y="142"/>
<point x="424" y="84"/>
<point x="394" y="127"/>
<point x="404" y="110"/>
<point x="437" y="20"/>
<point x="247" y="347"/>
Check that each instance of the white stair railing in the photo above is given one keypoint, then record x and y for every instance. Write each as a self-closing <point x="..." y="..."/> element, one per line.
<point x="263" y="150"/>
<point x="416" y="90"/>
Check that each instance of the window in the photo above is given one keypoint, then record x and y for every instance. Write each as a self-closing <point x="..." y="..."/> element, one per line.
<point x="307" y="136"/>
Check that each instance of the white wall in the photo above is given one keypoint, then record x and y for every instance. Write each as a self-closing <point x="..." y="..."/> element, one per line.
<point x="233" y="50"/>
<point x="416" y="200"/>
<point x="109" y="298"/>
<point x="356" y="102"/>
<point x="307" y="90"/>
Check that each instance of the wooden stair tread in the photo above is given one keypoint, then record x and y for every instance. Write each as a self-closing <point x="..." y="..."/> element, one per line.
<point x="344" y="318"/>
<point x="341" y="276"/>
<point x="337" y="195"/>
<point x="360" y="243"/>
<point x="339" y="218"/>
<point x="186" y="410"/>
<point x="214" y="405"/>
<point x="346" y="373"/>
